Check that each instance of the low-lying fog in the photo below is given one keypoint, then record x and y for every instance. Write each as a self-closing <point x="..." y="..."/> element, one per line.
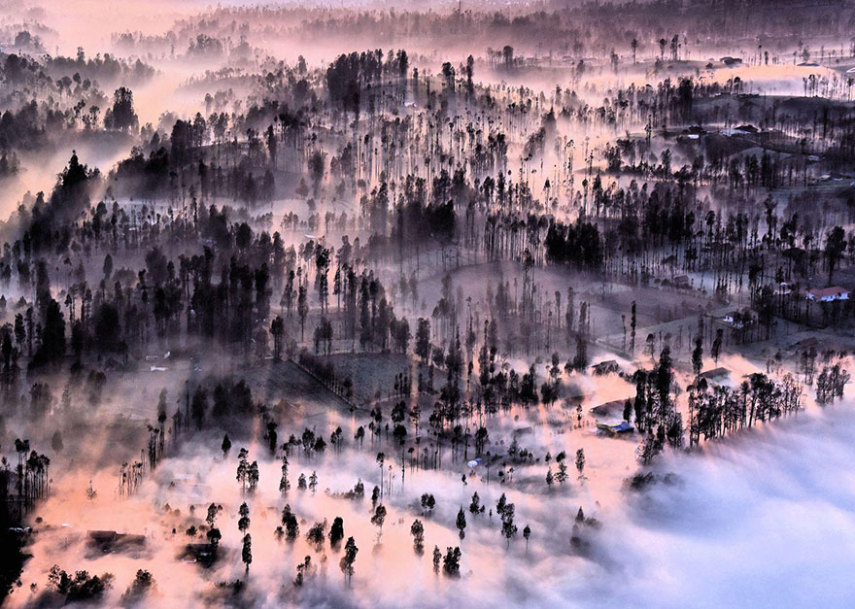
<point x="764" y="519"/>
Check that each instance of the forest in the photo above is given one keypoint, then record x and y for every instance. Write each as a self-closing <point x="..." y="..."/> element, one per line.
<point x="427" y="305"/>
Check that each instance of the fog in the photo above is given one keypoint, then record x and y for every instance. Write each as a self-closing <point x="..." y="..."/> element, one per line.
<point x="765" y="518"/>
<point x="591" y="261"/>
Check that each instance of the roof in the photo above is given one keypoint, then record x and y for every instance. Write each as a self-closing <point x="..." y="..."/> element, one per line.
<point x="715" y="373"/>
<point x="834" y="290"/>
<point x="606" y="366"/>
<point x="614" y="429"/>
<point x="607" y="362"/>
<point x="806" y="343"/>
<point x="609" y="409"/>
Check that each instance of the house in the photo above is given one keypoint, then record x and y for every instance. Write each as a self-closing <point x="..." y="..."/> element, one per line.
<point x="806" y="344"/>
<point x="615" y="429"/>
<point x="682" y="281"/>
<point x="828" y="294"/>
<point x="606" y="367"/>
<point x="716" y="375"/>
<point x="784" y="288"/>
<point x="203" y="553"/>
<point x="610" y="410"/>
<point x="747" y="129"/>
<point x="112" y="542"/>
<point x="695" y="132"/>
<point x="738" y="319"/>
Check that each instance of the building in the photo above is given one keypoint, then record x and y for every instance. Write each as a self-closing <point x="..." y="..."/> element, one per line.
<point x="610" y="410"/>
<point x="716" y="375"/>
<point x="615" y="429"/>
<point x="108" y="542"/>
<point x="606" y="367"/>
<point x="828" y="294"/>
<point x="739" y="319"/>
<point x="682" y="281"/>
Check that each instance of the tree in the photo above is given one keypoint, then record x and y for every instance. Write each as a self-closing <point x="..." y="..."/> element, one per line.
<point x="501" y="504"/>
<point x="289" y="521"/>
<point x="346" y="562"/>
<point x="252" y="476"/>
<point x="284" y="484"/>
<point x="461" y="523"/>
<point x="108" y="266"/>
<point x="226" y="446"/>
<point x="381" y="458"/>
<point x="509" y="529"/>
<point x="199" y="407"/>
<point x="143" y="582"/>
<point x="561" y="476"/>
<point x="451" y="562"/>
<point x="277" y="330"/>
<point x="317" y="164"/>
<point x="243" y="522"/>
<point x="422" y="347"/>
<point x="336" y="532"/>
<point x="526" y="536"/>
<point x="475" y="506"/>
<point x="246" y="552"/>
<point x="580" y="461"/>
<point x="242" y="473"/>
<point x="315" y="535"/>
<point x="508" y="56"/>
<point x="482" y="437"/>
<point x="437" y="559"/>
<point x="121" y="115"/>
<point x="417" y="530"/>
<point x="52" y="347"/>
<point x="835" y="245"/>
<point x="716" y="346"/>
<point x="632" y="327"/>
<point x="698" y="356"/>
<point x="302" y="310"/>
<point x="303" y="569"/>
<point x="378" y="519"/>
<point x="81" y="587"/>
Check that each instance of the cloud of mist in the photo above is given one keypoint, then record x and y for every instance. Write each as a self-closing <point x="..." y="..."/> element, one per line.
<point x="764" y="519"/>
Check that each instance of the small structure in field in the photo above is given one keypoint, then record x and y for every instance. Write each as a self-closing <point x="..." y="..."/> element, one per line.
<point x="109" y="542"/>
<point x="610" y="410"/>
<point x="606" y="367"/>
<point x="615" y="429"/>
<point x="716" y="375"/>
<point x="829" y="294"/>
<point x="682" y="281"/>
<point x="806" y="344"/>
<point x="739" y="319"/>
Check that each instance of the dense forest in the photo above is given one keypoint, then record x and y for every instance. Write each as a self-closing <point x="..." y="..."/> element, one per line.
<point x="294" y="299"/>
